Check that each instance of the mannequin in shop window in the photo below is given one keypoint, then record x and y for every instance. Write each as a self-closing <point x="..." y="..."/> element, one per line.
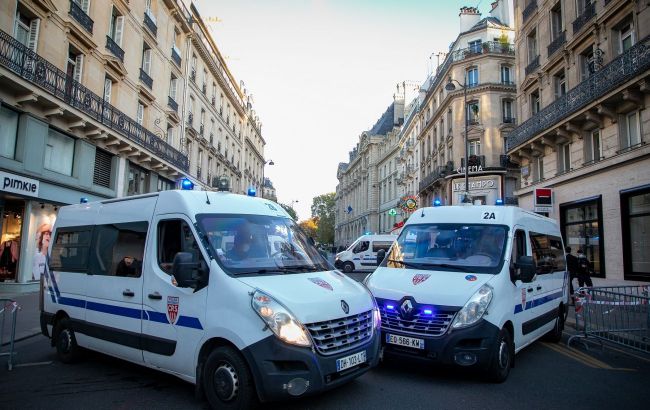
<point x="9" y="256"/>
<point x="43" y="236"/>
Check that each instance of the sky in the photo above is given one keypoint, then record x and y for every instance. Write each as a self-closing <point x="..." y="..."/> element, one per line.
<point x="323" y="71"/>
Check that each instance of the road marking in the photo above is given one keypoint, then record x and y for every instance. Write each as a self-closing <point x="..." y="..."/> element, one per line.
<point x="627" y="353"/>
<point x="583" y="357"/>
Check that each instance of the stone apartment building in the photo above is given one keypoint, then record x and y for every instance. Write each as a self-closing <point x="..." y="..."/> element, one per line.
<point x="95" y="100"/>
<point x="582" y="90"/>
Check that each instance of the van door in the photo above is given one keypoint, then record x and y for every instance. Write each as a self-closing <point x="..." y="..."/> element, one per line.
<point x="174" y="316"/>
<point x="362" y="256"/>
<point x="523" y="293"/>
<point x="114" y="291"/>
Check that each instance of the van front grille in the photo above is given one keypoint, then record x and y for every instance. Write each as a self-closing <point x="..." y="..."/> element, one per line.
<point x="338" y="335"/>
<point x="418" y="323"/>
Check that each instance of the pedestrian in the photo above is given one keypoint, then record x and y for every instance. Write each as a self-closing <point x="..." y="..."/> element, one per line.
<point x="584" y="269"/>
<point x="571" y="267"/>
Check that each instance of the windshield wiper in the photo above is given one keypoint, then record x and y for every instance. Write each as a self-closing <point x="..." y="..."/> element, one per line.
<point x="411" y="264"/>
<point x="447" y="265"/>
<point x="280" y="269"/>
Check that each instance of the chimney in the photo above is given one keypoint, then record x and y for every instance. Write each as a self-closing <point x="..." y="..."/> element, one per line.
<point x="469" y="16"/>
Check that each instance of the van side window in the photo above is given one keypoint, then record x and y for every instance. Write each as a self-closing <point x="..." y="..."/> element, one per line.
<point x="547" y="253"/>
<point x="70" y="249"/>
<point x="518" y="249"/>
<point x="361" y="247"/>
<point x="175" y="235"/>
<point x="377" y="246"/>
<point x="118" y="249"/>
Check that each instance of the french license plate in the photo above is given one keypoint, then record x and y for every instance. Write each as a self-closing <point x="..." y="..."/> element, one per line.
<point x="350" y="361"/>
<point x="405" y="341"/>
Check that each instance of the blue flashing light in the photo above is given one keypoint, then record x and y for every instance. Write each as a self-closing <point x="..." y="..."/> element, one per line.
<point x="390" y="307"/>
<point x="499" y="202"/>
<point x="252" y="191"/>
<point x="186" y="184"/>
<point x="437" y="202"/>
<point x="83" y="200"/>
<point x="428" y="312"/>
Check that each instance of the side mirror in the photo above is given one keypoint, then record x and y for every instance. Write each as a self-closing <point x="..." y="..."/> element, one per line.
<point x="525" y="269"/>
<point x="311" y="241"/>
<point x="381" y="254"/>
<point x="187" y="273"/>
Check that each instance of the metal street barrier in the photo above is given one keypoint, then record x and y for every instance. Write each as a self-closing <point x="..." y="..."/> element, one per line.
<point x="8" y="307"/>
<point x="614" y="314"/>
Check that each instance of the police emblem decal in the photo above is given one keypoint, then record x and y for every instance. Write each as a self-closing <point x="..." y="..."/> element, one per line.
<point x="172" y="308"/>
<point x="320" y="282"/>
<point x="345" y="307"/>
<point x="420" y="277"/>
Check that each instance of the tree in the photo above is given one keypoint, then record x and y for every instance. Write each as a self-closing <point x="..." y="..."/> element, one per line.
<point x="323" y="207"/>
<point x="292" y="212"/>
<point x="310" y="226"/>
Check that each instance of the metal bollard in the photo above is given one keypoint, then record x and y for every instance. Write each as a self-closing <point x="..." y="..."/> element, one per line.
<point x="13" y="307"/>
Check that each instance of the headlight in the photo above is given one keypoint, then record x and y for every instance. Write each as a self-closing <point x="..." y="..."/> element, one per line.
<point x="376" y="317"/>
<point x="474" y="309"/>
<point x="280" y="320"/>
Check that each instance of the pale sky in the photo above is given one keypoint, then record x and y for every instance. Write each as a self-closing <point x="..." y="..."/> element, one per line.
<point x="323" y="71"/>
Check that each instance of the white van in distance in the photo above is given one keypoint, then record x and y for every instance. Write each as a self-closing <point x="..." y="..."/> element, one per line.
<point x="471" y="286"/>
<point x="362" y="254"/>
<point x="221" y="290"/>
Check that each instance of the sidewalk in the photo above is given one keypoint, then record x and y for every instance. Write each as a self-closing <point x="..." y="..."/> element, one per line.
<point x="28" y="316"/>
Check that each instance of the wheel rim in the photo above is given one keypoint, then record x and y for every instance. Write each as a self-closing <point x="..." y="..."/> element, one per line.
<point x="347" y="268"/>
<point x="504" y="355"/>
<point x="226" y="382"/>
<point x="65" y="340"/>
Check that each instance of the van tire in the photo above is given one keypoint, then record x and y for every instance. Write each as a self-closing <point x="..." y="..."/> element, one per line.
<point x="502" y="358"/>
<point x="227" y="381"/>
<point x="65" y="342"/>
<point x="555" y="335"/>
<point x="348" y="267"/>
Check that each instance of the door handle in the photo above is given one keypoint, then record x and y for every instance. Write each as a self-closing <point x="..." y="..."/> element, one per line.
<point x="539" y="288"/>
<point x="530" y="290"/>
<point x="155" y="296"/>
<point x="128" y="292"/>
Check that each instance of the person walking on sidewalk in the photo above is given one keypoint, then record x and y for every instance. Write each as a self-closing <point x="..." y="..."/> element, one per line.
<point x="571" y="267"/>
<point x="584" y="269"/>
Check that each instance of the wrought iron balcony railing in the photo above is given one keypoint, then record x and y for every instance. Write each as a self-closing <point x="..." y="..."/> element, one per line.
<point x="176" y="57"/>
<point x="144" y="77"/>
<point x="621" y="69"/>
<point x="148" y="22"/>
<point x="114" y="48"/>
<point x="193" y="75"/>
<point x="80" y="16"/>
<point x="509" y="120"/>
<point x="588" y="13"/>
<point x="172" y="103"/>
<point x="534" y="64"/>
<point x="557" y="43"/>
<point x="25" y="63"/>
<point x="529" y="10"/>
<point x="190" y="119"/>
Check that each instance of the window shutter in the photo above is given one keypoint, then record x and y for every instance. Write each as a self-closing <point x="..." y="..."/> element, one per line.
<point x="34" y="26"/>
<point x="140" y="114"/>
<point x="78" y="67"/>
<point x="108" y="85"/>
<point x="103" y="168"/>
<point x="85" y="5"/>
<point x="146" y="61"/>
<point x="119" y="29"/>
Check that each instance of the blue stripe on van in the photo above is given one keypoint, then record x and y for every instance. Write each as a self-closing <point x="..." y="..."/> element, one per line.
<point x="156" y="316"/>
<point x="188" y="321"/>
<point x="539" y="301"/>
<point x="115" y="310"/>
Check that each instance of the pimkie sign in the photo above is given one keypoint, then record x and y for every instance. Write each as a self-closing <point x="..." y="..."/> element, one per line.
<point x="18" y="184"/>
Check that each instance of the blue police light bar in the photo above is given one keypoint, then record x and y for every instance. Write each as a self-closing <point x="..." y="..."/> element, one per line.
<point x="83" y="200"/>
<point x="437" y="202"/>
<point x="499" y="202"/>
<point x="428" y="311"/>
<point x="390" y="307"/>
<point x="252" y="191"/>
<point x="186" y="184"/>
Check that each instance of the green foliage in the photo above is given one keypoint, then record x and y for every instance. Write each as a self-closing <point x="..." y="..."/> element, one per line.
<point x="323" y="208"/>
<point x="292" y="212"/>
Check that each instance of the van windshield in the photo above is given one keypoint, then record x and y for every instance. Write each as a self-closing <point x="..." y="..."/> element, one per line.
<point x="260" y="244"/>
<point x="449" y="247"/>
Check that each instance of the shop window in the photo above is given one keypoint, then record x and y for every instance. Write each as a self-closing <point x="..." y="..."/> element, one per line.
<point x="71" y="249"/>
<point x="581" y="224"/>
<point x="59" y="153"/>
<point x="10" y="241"/>
<point x="8" y="132"/>
<point x="635" y="221"/>
<point x="118" y="249"/>
<point x="103" y="168"/>
<point x="164" y="184"/>
<point x="138" y="180"/>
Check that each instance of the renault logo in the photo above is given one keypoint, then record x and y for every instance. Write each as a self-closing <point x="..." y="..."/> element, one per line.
<point x="406" y="308"/>
<point x="345" y="307"/>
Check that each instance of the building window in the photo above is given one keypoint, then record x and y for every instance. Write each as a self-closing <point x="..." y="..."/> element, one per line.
<point x="475" y="147"/>
<point x="635" y="221"/>
<point x="74" y="66"/>
<point x="138" y="180"/>
<point x="472" y="77"/>
<point x="534" y="102"/>
<point x="531" y="42"/>
<point x="26" y="29"/>
<point x="170" y="135"/>
<point x="146" y="58"/>
<point x="581" y="227"/>
<point x="472" y="112"/>
<point x="506" y="109"/>
<point x="563" y="158"/>
<point x="538" y="169"/>
<point x="449" y="122"/>
<point x="103" y="168"/>
<point x="108" y="89"/>
<point x="506" y="74"/>
<point x="193" y="73"/>
<point x="8" y="132"/>
<point x="474" y="46"/>
<point x="116" y="27"/>
<point x="587" y="63"/>
<point x="164" y="184"/>
<point x="140" y="113"/>
<point x="593" y="148"/>
<point x="557" y="25"/>
<point x="625" y="36"/>
<point x="59" y="153"/>
<point x="630" y="130"/>
<point x="559" y="81"/>
<point x="173" y="84"/>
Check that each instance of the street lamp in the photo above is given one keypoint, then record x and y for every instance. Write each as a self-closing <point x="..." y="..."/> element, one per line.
<point x="450" y="87"/>
<point x="293" y="202"/>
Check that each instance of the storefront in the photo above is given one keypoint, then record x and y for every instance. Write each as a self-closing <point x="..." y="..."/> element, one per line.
<point x="582" y="229"/>
<point x="484" y="190"/>
<point x="635" y="216"/>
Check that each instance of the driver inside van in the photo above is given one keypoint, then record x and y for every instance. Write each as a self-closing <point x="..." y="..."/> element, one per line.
<point x="244" y="245"/>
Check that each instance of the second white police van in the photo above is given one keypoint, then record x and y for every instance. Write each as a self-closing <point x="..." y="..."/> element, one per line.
<point x="362" y="254"/>
<point x="221" y="290"/>
<point x="471" y="286"/>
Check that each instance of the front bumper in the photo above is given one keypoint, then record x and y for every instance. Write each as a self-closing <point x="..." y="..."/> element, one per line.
<point x="274" y="364"/>
<point x="476" y="340"/>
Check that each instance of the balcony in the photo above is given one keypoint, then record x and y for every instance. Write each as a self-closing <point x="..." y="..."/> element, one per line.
<point x="505" y="162"/>
<point x="30" y="66"/>
<point x="555" y="45"/>
<point x="529" y="10"/>
<point x="116" y="50"/>
<point x="509" y="120"/>
<point x="623" y="68"/>
<point x="149" y="23"/>
<point x="144" y="77"/>
<point x="588" y="14"/>
<point x="80" y="16"/>
<point x="176" y="56"/>
<point x="534" y="64"/>
<point x="438" y="173"/>
<point x="172" y="104"/>
<point x="474" y="161"/>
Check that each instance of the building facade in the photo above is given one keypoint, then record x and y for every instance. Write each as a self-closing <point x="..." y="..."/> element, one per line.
<point x="93" y="106"/>
<point x="582" y="70"/>
<point x="479" y="107"/>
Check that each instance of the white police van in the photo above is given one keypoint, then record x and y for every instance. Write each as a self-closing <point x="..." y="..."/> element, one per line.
<point x="221" y="290"/>
<point x="471" y="286"/>
<point x="362" y="254"/>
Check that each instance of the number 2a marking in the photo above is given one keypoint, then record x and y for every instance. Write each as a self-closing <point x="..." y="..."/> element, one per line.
<point x="489" y="215"/>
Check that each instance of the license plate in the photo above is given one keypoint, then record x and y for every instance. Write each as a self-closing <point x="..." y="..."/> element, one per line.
<point x="405" y="341"/>
<point x="350" y="361"/>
